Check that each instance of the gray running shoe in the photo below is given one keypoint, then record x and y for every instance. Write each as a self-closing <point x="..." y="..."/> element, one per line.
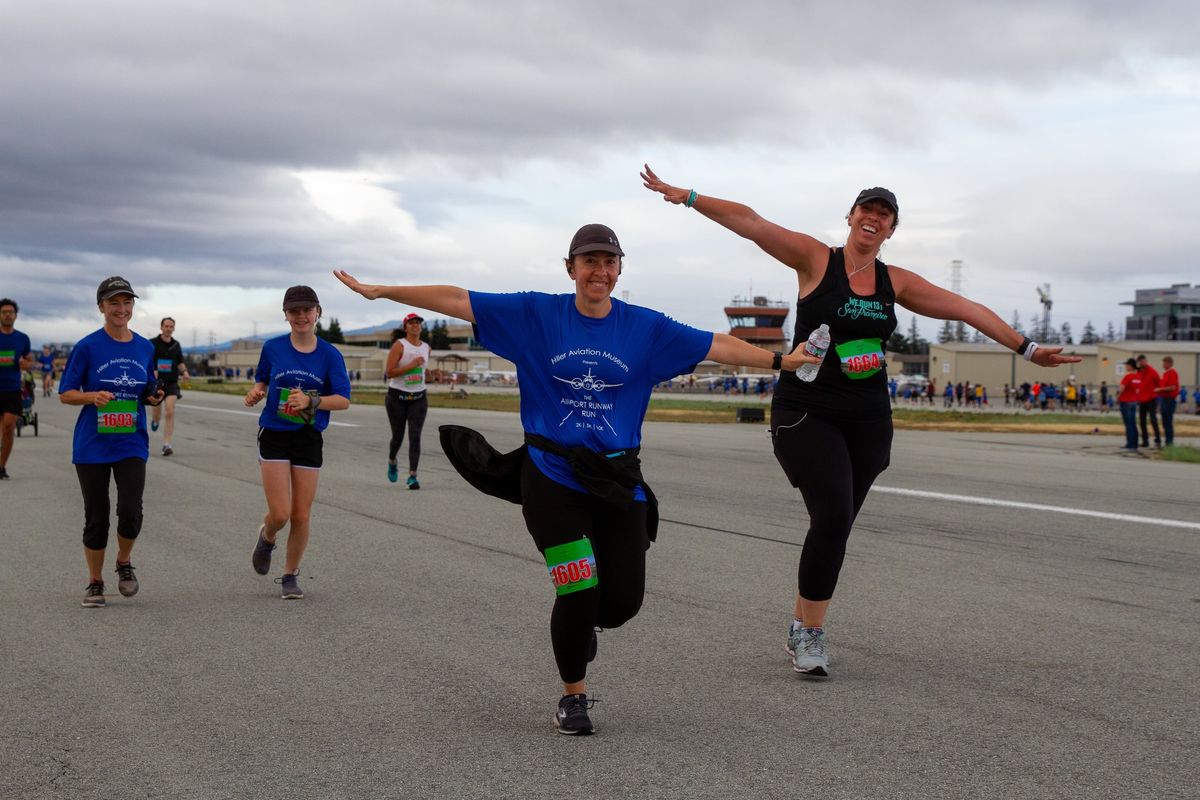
<point x="811" y="658"/>
<point x="289" y="589"/>
<point x="572" y="718"/>
<point x="94" y="598"/>
<point x="127" y="583"/>
<point x="261" y="557"/>
<point x="793" y="641"/>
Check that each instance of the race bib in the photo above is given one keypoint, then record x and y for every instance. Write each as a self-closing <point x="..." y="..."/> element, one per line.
<point x="861" y="358"/>
<point x="413" y="376"/>
<point x="164" y="365"/>
<point x="8" y="358"/>
<point x="281" y="409"/>
<point x="572" y="566"/>
<point x="117" y="416"/>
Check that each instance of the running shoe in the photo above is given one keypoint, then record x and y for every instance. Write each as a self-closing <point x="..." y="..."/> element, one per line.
<point x="3" y="474"/>
<point x="261" y="557"/>
<point x="289" y="588"/>
<point x="127" y="583"/>
<point x="811" y="658"/>
<point x="393" y="473"/>
<point x="94" y="597"/>
<point x="572" y="717"/>
<point x="167" y="450"/>
<point x="793" y="640"/>
<point x="412" y="482"/>
<point x="153" y="424"/>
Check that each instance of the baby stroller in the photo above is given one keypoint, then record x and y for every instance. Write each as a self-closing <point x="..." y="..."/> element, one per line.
<point x="28" y="415"/>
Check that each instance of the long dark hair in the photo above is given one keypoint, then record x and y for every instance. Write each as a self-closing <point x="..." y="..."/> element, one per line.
<point x="397" y="334"/>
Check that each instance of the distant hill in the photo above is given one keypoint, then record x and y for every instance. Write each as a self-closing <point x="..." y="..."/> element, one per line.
<point x="221" y="347"/>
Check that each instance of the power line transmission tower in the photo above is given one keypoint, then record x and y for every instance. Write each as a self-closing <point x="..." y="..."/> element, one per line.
<point x="956" y="268"/>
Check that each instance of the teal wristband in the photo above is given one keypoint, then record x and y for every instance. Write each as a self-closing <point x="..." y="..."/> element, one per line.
<point x="691" y="201"/>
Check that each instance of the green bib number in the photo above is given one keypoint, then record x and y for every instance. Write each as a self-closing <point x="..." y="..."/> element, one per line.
<point x="861" y="358"/>
<point x="8" y="358"/>
<point x="117" y="416"/>
<point x="572" y="566"/>
<point x="281" y="409"/>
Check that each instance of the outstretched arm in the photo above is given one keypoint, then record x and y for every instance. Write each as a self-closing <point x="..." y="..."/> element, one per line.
<point x="797" y="250"/>
<point x="449" y="300"/>
<point x="726" y="349"/>
<point x="919" y="295"/>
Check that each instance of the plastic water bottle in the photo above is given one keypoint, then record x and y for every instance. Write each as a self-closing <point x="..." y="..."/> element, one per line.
<point x="818" y="343"/>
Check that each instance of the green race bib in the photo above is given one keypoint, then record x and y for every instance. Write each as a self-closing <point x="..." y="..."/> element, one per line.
<point x="572" y="566"/>
<point x="8" y="358"/>
<point x="280" y="409"/>
<point x="118" y="416"/>
<point x="413" y="376"/>
<point x="861" y="358"/>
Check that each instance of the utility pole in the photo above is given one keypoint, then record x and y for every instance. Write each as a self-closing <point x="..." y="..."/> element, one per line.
<point x="956" y="267"/>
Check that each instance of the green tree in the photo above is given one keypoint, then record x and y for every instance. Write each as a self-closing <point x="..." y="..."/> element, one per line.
<point x="440" y="337"/>
<point x="1065" y="336"/>
<point x="946" y="332"/>
<point x="1110" y="333"/>
<point x="334" y="334"/>
<point x="320" y="330"/>
<point x="1089" y="334"/>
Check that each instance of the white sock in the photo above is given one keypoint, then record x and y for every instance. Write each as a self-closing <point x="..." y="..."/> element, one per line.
<point x="796" y="625"/>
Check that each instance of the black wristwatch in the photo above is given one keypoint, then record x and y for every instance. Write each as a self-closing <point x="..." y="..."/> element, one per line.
<point x="1025" y="342"/>
<point x="777" y="362"/>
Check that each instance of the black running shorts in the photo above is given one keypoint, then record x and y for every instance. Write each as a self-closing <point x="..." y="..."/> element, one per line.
<point x="300" y="448"/>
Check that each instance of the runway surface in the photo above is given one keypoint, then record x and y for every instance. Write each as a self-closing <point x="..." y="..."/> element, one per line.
<point x="1017" y="617"/>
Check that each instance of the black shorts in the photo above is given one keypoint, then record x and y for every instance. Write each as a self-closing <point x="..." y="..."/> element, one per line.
<point x="171" y="389"/>
<point x="10" y="403"/>
<point x="300" y="448"/>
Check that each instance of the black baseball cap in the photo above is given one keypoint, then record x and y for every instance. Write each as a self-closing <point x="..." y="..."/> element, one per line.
<point x="300" y="297"/>
<point x="878" y="193"/>
<point x="111" y="287"/>
<point x="595" y="238"/>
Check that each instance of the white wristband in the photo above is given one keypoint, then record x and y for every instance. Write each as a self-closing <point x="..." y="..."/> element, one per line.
<point x="1029" y="351"/>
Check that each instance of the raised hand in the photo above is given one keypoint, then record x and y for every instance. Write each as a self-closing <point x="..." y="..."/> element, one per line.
<point x="672" y="194"/>
<point x="367" y="290"/>
<point x="254" y="396"/>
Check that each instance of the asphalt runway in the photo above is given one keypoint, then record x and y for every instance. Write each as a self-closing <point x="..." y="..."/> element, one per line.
<point x="1017" y="618"/>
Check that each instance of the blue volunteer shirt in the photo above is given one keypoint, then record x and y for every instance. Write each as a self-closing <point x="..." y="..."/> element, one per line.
<point x="13" y="347"/>
<point x="117" y="431"/>
<point x="584" y="381"/>
<point x="284" y="369"/>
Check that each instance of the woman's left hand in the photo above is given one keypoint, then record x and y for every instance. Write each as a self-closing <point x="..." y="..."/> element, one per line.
<point x="798" y="358"/>
<point x="1049" y="357"/>
<point x="672" y="194"/>
<point x="367" y="290"/>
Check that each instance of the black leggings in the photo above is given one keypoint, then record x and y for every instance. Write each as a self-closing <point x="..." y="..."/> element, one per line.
<point x="557" y="515"/>
<point x="833" y="464"/>
<point x="130" y="475"/>
<point x="403" y="411"/>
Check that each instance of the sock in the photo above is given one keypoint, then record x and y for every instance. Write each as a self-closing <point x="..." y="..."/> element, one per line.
<point x="796" y="625"/>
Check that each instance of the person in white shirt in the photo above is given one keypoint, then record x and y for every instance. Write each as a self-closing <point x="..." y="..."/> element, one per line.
<point x="406" y="402"/>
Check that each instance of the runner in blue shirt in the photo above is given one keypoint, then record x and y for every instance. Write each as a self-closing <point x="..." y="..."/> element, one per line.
<point x="111" y="374"/>
<point x="586" y="365"/>
<point x="302" y="378"/>
<point x="14" y="359"/>
<point x="46" y="367"/>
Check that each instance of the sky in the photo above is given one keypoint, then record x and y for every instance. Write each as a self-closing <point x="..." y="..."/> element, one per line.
<point x="214" y="153"/>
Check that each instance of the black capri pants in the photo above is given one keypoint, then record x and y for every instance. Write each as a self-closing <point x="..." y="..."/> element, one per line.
<point x="130" y="476"/>
<point x="555" y="515"/>
<point x="406" y="408"/>
<point x="833" y="464"/>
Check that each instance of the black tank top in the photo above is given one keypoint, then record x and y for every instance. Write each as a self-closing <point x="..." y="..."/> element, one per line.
<point x="852" y="381"/>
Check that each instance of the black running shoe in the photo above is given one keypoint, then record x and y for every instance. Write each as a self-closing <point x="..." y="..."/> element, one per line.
<point x="572" y="717"/>
<point x="127" y="584"/>
<point x="261" y="557"/>
<point x="3" y="474"/>
<point x="94" y="598"/>
<point x="289" y="588"/>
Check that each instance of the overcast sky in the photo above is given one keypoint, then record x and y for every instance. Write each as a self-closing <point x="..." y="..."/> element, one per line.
<point x="215" y="153"/>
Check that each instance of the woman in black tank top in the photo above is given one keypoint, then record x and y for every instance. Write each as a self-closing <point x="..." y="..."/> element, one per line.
<point x="843" y="415"/>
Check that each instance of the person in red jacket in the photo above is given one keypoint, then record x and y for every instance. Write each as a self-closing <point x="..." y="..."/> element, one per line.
<point x="1131" y="383"/>
<point x="1168" y="391"/>
<point x="1148" y="400"/>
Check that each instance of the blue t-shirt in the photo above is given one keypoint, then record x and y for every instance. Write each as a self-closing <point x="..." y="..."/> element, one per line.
<point x="47" y="362"/>
<point x="117" y="431"/>
<point x="584" y="381"/>
<point x="13" y="347"/>
<point x="284" y="368"/>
